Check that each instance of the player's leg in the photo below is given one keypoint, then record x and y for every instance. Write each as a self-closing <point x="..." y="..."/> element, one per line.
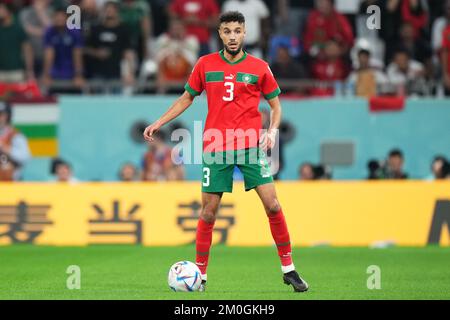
<point x="280" y="234"/>
<point x="278" y="226"/>
<point x="205" y="226"/>
<point x="217" y="178"/>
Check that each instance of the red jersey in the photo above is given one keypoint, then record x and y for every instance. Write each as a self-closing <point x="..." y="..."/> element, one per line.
<point x="202" y="9"/>
<point x="446" y="45"/>
<point x="233" y="92"/>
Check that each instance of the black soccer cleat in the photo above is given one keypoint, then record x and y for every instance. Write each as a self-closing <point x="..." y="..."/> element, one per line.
<point x="202" y="286"/>
<point x="297" y="282"/>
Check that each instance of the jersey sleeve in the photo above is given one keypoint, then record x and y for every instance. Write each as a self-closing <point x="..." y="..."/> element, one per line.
<point x="194" y="84"/>
<point x="269" y="85"/>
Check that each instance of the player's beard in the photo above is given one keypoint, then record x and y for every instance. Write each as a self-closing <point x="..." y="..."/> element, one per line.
<point x="233" y="52"/>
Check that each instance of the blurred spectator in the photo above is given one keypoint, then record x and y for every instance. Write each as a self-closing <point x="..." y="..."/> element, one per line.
<point x="158" y="164"/>
<point x="306" y="171"/>
<point x="135" y="14"/>
<point x="415" y="12"/>
<point x="160" y="16"/>
<point x="291" y="16"/>
<point x="16" y="53"/>
<point x="366" y="78"/>
<point x="176" y="54"/>
<point x="446" y="59"/>
<point x="417" y="48"/>
<point x="14" y="150"/>
<point x="395" y="162"/>
<point x="128" y="173"/>
<point x="89" y="16"/>
<point x="291" y="43"/>
<point x="257" y="23"/>
<point x="64" y="173"/>
<point x="284" y="67"/>
<point x="63" y="52"/>
<point x="440" y="168"/>
<point x="199" y="18"/>
<point x="325" y="24"/>
<point x="391" y="19"/>
<point x="109" y="44"/>
<point x="403" y="70"/>
<point x="35" y="20"/>
<point x="369" y="39"/>
<point x="331" y="67"/>
<point x="438" y="28"/>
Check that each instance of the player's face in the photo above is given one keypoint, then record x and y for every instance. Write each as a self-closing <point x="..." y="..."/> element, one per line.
<point x="232" y="35"/>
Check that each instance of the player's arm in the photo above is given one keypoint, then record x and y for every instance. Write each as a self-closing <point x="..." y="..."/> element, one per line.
<point x="268" y="139"/>
<point x="181" y="104"/>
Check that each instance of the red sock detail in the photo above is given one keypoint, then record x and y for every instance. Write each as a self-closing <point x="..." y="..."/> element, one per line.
<point x="203" y="244"/>
<point x="280" y="235"/>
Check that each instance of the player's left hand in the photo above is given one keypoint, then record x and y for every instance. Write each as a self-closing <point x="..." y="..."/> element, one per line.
<point x="267" y="140"/>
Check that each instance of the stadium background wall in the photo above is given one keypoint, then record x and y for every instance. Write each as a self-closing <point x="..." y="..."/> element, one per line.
<point x="93" y="134"/>
<point x="338" y="213"/>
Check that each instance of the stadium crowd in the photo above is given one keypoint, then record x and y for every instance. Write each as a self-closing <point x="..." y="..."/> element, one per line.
<point x="128" y="45"/>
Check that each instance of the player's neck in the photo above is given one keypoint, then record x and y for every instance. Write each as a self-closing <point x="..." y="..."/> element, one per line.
<point x="233" y="58"/>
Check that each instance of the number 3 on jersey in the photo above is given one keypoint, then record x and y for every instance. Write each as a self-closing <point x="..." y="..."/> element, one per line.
<point x="206" y="173"/>
<point x="229" y="91"/>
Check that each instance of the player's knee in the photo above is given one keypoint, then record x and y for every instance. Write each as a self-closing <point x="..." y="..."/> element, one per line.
<point x="273" y="207"/>
<point x="208" y="213"/>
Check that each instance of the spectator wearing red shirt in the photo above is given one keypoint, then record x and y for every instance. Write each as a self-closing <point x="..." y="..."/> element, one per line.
<point x="199" y="17"/>
<point x="415" y="12"/>
<point x="331" y="67"/>
<point x="446" y="59"/>
<point x="325" y="23"/>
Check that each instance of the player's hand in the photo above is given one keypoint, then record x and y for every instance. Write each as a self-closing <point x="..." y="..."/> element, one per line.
<point x="268" y="140"/>
<point x="150" y="130"/>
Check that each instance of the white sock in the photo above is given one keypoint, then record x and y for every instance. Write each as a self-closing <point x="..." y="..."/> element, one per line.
<point x="204" y="277"/>
<point x="289" y="268"/>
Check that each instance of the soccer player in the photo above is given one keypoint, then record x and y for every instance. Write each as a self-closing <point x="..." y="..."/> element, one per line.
<point x="233" y="81"/>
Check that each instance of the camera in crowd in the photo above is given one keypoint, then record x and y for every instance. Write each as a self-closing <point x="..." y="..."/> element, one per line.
<point x="309" y="171"/>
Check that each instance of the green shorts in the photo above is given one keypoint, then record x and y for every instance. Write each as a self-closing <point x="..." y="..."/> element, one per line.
<point x="218" y="168"/>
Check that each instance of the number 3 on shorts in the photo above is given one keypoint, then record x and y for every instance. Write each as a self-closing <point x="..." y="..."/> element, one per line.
<point x="206" y="173"/>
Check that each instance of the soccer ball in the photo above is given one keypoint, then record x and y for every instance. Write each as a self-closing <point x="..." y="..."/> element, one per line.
<point x="184" y="276"/>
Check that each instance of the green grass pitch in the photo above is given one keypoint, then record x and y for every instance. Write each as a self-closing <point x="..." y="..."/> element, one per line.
<point x="135" y="272"/>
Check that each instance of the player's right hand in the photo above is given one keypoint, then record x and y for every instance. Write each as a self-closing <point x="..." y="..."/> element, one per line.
<point x="150" y="130"/>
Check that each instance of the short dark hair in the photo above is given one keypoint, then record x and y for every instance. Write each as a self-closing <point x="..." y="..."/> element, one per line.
<point x="364" y="52"/>
<point x="402" y="50"/>
<point x="231" y="16"/>
<point x="396" y="153"/>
